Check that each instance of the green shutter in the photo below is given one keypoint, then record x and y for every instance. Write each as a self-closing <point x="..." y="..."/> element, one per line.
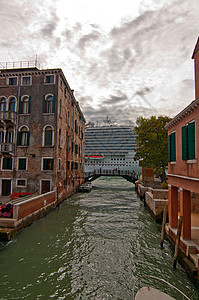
<point x="28" y="138"/>
<point x="53" y="108"/>
<point x="22" y="164"/>
<point x="169" y="148"/>
<point x="191" y="140"/>
<point x="173" y="146"/>
<point x="48" y="138"/>
<point x="18" y="138"/>
<point x="5" y="163"/>
<point x="44" y="104"/>
<point x="52" y="163"/>
<point x="45" y="164"/>
<point x="20" y="106"/>
<point x="184" y="143"/>
<point x="29" y="104"/>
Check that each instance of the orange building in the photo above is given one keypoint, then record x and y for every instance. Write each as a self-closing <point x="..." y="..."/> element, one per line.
<point x="183" y="166"/>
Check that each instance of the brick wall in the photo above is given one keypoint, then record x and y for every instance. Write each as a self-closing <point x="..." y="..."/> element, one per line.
<point x="32" y="205"/>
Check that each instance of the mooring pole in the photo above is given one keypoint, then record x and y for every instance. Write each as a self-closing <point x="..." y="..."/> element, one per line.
<point x="163" y="224"/>
<point x="177" y="241"/>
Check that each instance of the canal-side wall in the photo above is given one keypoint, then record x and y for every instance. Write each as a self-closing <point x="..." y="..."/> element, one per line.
<point x="156" y="201"/>
<point x="26" y="212"/>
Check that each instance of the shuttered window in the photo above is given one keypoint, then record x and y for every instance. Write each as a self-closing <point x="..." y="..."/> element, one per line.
<point x="7" y="163"/>
<point x="172" y="147"/>
<point x="188" y="141"/>
<point x="22" y="163"/>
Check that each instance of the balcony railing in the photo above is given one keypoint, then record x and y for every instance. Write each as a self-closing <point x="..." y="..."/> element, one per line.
<point x="8" y="116"/>
<point x="7" y="148"/>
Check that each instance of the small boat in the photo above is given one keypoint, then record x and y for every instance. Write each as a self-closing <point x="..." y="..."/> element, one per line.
<point x="147" y="292"/>
<point x="85" y="187"/>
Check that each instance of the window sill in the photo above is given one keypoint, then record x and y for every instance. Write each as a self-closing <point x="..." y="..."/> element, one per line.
<point x="191" y="161"/>
<point x="48" y="113"/>
<point x="49" y="83"/>
<point x="47" y="146"/>
<point x="173" y="162"/>
<point x="21" y="114"/>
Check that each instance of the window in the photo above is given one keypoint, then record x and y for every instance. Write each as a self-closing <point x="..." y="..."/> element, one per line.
<point x="68" y="165"/>
<point x="48" y="104"/>
<point x="172" y="147"/>
<point x="59" y="137"/>
<point x="7" y="163"/>
<point x="48" y="163"/>
<point x="22" y="163"/>
<point x="9" y="135"/>
<point x="188" y="141"/>
<point x="48" y="136"/>
<point x="59" y="164"/>
<point x="12" y="104"/>
<point x="23" y="136"/>
<point x="21" y="182"/>
<point x="26" y="80"/>
<point x="12" y="81"/>
<point x="1" y="135"/>
<point x="49" y="79"/>
<point x="68" y="118"/>
<point x="24" y="105"/>
<point x="60" y="108"/>
<point x="3" y="104"/>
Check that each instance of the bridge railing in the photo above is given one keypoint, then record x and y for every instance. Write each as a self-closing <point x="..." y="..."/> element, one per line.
<point x="115" y="172"/>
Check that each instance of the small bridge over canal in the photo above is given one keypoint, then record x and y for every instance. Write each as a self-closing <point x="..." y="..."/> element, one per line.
<point x="130" y="176"/>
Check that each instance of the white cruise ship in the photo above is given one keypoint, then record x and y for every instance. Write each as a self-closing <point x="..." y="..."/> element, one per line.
<point x="110" y="148"/>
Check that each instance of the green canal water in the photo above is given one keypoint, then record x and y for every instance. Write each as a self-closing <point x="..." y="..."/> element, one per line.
<point x="92" y="247"/>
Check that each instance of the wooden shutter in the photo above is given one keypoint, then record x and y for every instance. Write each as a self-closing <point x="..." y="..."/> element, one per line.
<point x="44" y="104"/>
<point x="173" y="146"/>
<point x="28" y="137"/>
<point x="20" y="105"/>
<point x="18" y="138"/>
<point x="184" y="143"/>
<point x="191" y="140"/>
<point x="169" y="148"/>
<point x="29" y="104"/>
<point x="53" y="107"/>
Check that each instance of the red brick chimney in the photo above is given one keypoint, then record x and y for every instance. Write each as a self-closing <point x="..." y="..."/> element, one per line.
<point x="195" y="56"/>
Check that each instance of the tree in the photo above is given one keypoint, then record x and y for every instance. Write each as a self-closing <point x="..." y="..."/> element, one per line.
<point x="152" y="143"/>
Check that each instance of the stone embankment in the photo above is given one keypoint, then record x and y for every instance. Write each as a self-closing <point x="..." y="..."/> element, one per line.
<point x="154" y="198"/>
<point x="25" y="211"/>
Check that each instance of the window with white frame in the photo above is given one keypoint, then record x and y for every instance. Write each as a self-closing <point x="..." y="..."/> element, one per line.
<point x="3" y="104"/>
<point x="12" y="104"/>
<point x="7" y="163"/>
<point x="50" y="79"/>
<point x="22" y="163"/>
<point x="9" y="135"/>
<point x="48" y="104"/>
<point x="26" y="80"/>
<point x="12" y="80"/>
<point x="47" y="164"/>
<point x="21" y="182"/>
<point x="48" y="135"/>
<point x="24" y="105"/>
<point x="23" y="136"/>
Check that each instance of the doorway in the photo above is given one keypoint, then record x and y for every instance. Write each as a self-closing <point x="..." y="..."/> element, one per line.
<point x="45" y="186"/>
<point x="6" y="187"/>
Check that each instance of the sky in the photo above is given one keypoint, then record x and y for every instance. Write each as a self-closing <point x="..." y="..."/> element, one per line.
<point x="123" y="58"/>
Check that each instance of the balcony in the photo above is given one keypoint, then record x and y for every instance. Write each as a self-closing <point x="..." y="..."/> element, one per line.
<point x="7" y="148"/>
<point x="10" y="116"/>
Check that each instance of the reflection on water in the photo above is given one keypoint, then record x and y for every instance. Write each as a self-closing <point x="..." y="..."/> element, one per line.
<point x="92" y="247"/>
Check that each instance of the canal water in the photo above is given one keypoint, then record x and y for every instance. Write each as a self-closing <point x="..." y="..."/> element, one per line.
<point x="92" y="247"/>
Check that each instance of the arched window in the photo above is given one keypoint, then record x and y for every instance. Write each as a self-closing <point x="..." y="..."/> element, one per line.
<point x="48" y="136"/>
<point x="3" y="104"/>
<point x="12" y="104"/>
<point x="9" y="135"/>
<point x="23" y="136"/>
<point x="24" y="105"/>
<point x="49" y="104"/>
<point x="1" y="135"/>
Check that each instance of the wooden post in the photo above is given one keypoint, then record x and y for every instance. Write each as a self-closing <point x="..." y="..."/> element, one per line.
<point x="177" y="241"/>
<point x="163" y="224"/>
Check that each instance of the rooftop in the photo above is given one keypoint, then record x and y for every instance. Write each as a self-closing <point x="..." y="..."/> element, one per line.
<point x="17" y="65"/>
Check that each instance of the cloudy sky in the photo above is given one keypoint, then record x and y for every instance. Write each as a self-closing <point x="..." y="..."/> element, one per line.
<point x="123" y="58"/>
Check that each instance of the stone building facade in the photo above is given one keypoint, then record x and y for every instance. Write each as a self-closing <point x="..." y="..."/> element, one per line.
<point x="183" y="167"/>
<point x="41" y="133"/>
